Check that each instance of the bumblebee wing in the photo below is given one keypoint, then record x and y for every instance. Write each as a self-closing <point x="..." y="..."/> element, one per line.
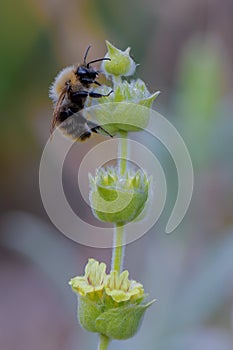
<point x="76" y="127"/>
<point x="57" y="109"/>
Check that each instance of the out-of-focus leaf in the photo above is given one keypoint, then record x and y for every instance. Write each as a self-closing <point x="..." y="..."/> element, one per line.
<point x="25" y="61"/>
<point x="206" y="339"/>
<point x="18" y="30"/>
<point x="208" y="289"/>
<point x="199" y="92"/>
<point x="129" y="23"/>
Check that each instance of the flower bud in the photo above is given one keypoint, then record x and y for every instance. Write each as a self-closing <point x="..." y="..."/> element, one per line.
<point x="121" y="63"/>
<point x="116" y="198"/>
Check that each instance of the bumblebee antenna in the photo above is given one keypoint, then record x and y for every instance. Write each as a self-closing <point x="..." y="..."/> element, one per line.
<point x="86" y="53"/>
<point x="98" y="59"/>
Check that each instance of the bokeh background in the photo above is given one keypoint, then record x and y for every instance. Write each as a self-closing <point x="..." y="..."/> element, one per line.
<point x="185" y="49"/>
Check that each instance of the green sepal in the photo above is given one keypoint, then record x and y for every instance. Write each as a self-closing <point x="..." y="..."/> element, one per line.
<point x="147" y="102"/>
<point x="121" y="116"/>
<point x="107" y="193"/>
<point x="88" y="312"/>
<point x="136" y="203"/>
<point x="122" y="322"/>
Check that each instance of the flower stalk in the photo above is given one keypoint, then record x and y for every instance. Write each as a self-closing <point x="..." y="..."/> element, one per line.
<point x="123" y="151"/>
<point x="118" y="246"/>
<point x="103" y="342"/>
<point x="116" y="80"/>
<point x="118" y="249"/>
<point x="112" y="304"/>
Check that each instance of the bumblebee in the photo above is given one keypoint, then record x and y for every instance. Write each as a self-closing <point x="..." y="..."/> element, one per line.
<point x="69" y="92"/>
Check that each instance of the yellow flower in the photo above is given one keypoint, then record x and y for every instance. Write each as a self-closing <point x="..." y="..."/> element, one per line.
<point x="93" y="280"/>
<point x="120" y="288"/>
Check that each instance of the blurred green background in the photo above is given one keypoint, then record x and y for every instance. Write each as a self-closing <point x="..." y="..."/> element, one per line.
<point x="185" y="49"/>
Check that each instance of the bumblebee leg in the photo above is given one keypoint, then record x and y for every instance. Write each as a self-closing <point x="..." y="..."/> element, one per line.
<point x="76" y="96"/>
<point x="97" y="95"/>
<point x="65" y="114"/>
<point x="97" y="83"/>
<point x="97" y="128"/>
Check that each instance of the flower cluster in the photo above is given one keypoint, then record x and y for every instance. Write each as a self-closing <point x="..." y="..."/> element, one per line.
<point x="128" y="107"/>
<point x="104" y="300"/>
<point x="96" y="282"/>
<point x="116" y="198"/>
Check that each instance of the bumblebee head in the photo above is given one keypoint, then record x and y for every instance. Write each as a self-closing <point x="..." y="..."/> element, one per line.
<point x="87" y="74"/>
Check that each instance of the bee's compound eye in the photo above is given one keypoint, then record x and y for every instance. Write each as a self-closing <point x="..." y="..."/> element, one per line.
<point x="81" y="71"/>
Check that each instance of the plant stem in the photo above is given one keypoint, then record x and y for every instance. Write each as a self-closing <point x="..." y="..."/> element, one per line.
<point x="116" y="81"/>
<point x="118" y="250"/>
<point x="123" y="150"/>
<point x="103" y="342"/>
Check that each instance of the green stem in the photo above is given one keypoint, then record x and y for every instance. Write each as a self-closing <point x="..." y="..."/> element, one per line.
<point x="118" y="249"/>
<point x="116" y="81"/>
<point x="103" y="342"/>
<point x="123" y="150"/>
